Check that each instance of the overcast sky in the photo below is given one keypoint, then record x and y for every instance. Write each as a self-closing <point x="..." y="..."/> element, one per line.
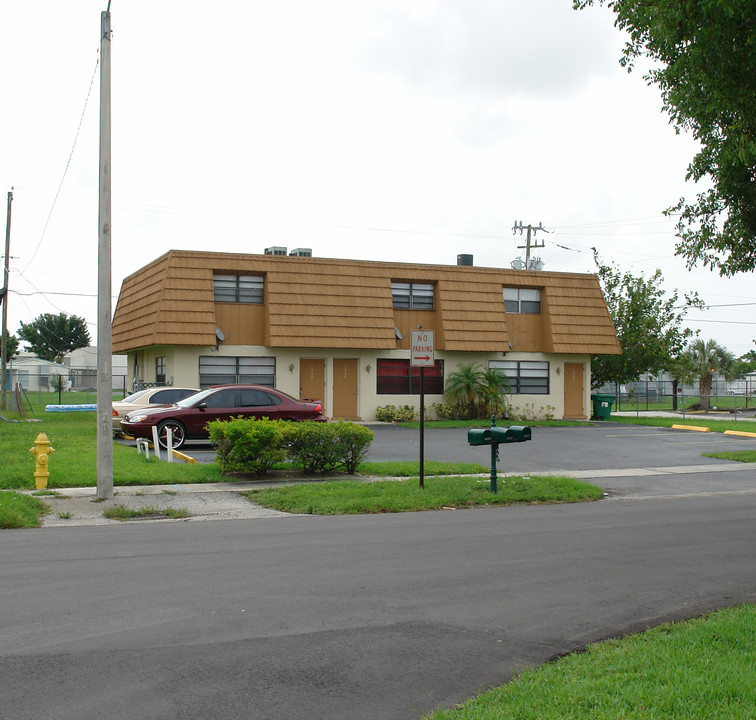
<point x="397" y="130"/>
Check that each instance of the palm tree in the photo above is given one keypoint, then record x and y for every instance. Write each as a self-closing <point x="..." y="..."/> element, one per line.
<point x="463" y="387"/>
<point x="478" y="392"/>
<point x="494" y="388"/>
<point x="701" y="360"/>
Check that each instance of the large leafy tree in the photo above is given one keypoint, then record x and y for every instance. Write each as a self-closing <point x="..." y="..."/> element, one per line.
<point x="703" y="60"/>
<point x="649" y="324"/>
<point x="11" y="345"/>
<point x="51" y="336"/>
<point x="746" y="363"/>
<point x="702" y="360"/>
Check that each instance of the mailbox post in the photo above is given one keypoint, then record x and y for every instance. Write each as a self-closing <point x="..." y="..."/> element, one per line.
<point x="494" y="436"/>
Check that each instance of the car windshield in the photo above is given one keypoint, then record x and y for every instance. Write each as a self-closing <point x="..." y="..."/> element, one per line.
<point x="135" y="396"/>
<point x="192" y="400"/>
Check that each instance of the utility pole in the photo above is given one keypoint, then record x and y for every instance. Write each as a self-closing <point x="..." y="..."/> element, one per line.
<point x="104" y="328"/>
<point x="536" y="263"/>
<point x="4" y="301"/>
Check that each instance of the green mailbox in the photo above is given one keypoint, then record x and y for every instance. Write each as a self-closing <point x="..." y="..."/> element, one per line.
<point x="499" y="435"/>
<point x="494" y="436"/>
<point x="476" y="436"/>
<point x="518" y="433"/>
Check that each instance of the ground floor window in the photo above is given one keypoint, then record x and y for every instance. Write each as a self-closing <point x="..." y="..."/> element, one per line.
<point x="160" y="369"/>
<point x="219" y="370"/>
<point x="398" y="377"/>
<point x="527" y="377"/>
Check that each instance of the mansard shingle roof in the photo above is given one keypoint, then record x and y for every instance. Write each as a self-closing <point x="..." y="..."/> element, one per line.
<point x="332" y="303"/>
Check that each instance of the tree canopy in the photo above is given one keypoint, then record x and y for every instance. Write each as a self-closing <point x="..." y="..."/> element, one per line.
<point x="51" y="336"/>
<point x="11" y="345"/>
<point x="703" y="56"/>
<point x="649" y="324"/>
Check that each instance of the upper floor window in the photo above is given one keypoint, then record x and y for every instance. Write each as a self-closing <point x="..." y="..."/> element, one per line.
<point x="522" y="300"/>
<point x="412" y="296"/>
<point x="238" y="288"/>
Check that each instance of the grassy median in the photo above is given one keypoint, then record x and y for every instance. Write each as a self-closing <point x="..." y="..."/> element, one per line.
<point x="354" y="497"/>
<point x="692" y="670"/>
<point x="20" y="511"/>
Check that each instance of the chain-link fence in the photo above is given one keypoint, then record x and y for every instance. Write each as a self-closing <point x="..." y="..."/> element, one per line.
<point x="647" y="395"/>
<point x="79" y="386"/>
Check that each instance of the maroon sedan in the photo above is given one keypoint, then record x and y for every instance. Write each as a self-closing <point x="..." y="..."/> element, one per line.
<point x="187" y="419"/>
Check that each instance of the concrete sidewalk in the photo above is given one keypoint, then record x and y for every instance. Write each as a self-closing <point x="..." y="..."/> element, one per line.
<point x="224" y="501"/>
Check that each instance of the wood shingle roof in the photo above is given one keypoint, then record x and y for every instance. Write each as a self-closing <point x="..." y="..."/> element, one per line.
<point x="331" y="303"/>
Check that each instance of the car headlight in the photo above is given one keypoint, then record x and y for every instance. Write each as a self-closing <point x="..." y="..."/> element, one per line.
<point x="135" y="418"/>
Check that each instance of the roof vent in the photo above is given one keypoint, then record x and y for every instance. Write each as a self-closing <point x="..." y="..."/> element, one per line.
<point x="275" y="250"/>
<point x="301" y="252"/>
<point x="465" y="260"/>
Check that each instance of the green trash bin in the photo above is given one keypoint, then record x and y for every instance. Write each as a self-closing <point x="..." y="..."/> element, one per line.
<point x="602" y="406"/>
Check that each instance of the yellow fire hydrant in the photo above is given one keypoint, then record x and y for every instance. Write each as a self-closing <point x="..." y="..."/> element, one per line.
<point x="42" y="450"/>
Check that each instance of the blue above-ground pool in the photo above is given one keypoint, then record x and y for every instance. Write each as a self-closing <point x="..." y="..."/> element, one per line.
<point x="71" y="408"/>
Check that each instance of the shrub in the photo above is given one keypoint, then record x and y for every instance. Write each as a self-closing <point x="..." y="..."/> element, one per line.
<point x="312" y="446"/>
<point x="322" y="447"/>
<point x="247" y="445"/>
<point x="353" y="442"/>
<point x="392" y="413"/>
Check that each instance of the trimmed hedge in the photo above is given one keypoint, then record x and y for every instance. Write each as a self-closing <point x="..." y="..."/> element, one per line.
<point x="255" y="446"/>
<point x="248" y="445"/>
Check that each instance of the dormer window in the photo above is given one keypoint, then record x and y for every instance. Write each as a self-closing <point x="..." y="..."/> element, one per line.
<point x="412" y="296"/>
<point x="522" y="300"/>
<point x="238" y="288"/>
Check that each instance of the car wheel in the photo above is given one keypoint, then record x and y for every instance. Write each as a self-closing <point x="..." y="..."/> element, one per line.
<point x="178" y="430"/>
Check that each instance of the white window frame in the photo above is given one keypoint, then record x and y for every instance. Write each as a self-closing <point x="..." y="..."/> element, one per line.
<point x="224" y="370"/>
<point x="526" y="377"/>
<point x="522" y="301"/>
<point x="413" y="296"/>
<point x="249" y="289"/>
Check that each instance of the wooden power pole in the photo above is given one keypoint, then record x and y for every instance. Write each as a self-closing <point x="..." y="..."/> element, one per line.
<point x="104" y="327"/>
<point x="4" y="301"/>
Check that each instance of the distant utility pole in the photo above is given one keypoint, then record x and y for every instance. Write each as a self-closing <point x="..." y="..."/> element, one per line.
<point x="104" y="328"/>
<point x="4" y="301"/>
<point x="530" y="244"/>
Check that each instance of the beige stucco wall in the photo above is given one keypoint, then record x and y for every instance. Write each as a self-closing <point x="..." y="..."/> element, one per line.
<point x="182" y="369"/>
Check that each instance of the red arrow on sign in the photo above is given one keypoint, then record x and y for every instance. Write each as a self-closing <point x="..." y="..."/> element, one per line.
<point x="422" y="357"/>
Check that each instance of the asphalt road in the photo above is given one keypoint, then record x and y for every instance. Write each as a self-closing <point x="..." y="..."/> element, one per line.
<point x="371" y="617"/>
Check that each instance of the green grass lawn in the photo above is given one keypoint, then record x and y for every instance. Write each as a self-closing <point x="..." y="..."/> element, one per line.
<point x="746" y="456"/>
<point x="348" y="497"/>
<point x="695" y="670"/>
<point x="713" y="425"/>
<point x="74" y="462"/>
<point x="19" y="511"/>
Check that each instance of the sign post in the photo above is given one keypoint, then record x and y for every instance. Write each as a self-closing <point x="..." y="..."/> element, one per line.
<point x="422" y="355"/>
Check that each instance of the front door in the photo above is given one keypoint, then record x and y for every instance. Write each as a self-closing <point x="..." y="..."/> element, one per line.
<point x="312" y="380"/>
<point x="573" y="391"/>
<point x="345" y="386"/>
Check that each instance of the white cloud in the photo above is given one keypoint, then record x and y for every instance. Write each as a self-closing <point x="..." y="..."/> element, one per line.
<point x="246" y="124"/>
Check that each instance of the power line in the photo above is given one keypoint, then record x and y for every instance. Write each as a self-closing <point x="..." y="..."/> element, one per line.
<point x="68" y="164"/>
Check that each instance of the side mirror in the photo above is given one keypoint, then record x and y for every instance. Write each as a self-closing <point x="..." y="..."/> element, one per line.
<point x="202" y="406"/>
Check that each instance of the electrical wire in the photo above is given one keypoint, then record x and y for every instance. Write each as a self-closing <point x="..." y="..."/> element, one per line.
<point x="68" y="164"/>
